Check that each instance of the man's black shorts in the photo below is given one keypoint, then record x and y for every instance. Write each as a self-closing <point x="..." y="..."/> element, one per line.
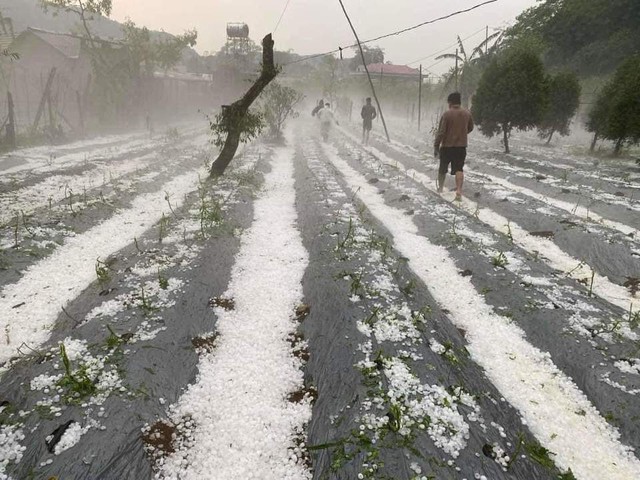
<point x="454" y="156"/>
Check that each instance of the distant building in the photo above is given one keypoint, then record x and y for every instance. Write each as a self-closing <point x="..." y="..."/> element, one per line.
<point x="54" y="84"/>
<point x="389" y="70"/>
<point x="62" y="58"/>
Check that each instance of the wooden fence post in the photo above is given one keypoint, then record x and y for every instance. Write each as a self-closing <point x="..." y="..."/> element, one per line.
<point x="11" y="125"/>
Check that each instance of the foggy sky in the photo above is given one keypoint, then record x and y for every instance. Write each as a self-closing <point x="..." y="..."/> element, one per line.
<point x="315" y="26"/>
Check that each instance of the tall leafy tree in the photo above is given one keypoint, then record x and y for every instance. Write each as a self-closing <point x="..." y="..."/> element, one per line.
<point x="616" y="113"/>
<point x="590" y="36"/>
<point x="85" y="9"/>
<point x="147" y="54"/>
<point x="512" y="94"/>
<point x="279" y="103"/>
<point x="371" y="55"/>
<point x="564" y="99"/>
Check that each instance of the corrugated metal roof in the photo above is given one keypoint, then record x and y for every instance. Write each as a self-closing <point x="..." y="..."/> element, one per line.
<point x="5" y="41"/>
<point x="68" y="45"/>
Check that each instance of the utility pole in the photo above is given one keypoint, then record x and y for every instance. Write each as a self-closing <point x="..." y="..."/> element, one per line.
<point x="420" y="98"/>
<point x="456" y="69"/>
<point x="486" y="41"/>
<point x="364" y="62"/>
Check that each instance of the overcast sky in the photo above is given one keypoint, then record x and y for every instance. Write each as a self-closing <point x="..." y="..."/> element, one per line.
<point x="313" y="26"/>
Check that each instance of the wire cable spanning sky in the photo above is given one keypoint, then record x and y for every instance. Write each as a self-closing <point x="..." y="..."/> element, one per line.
<point x="398" y="32"/>
<point x="308" y="27"/>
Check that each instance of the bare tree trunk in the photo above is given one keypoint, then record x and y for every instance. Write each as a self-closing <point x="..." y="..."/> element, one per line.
<point x="238" y="109"/>
<point x="505" y="139"/>
<point x="550" y="136"/>
<point x="618" y="147"/>
<point x="594" y="142"/>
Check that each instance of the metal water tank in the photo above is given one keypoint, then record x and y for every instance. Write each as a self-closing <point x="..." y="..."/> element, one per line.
<point x="237" y="30"/>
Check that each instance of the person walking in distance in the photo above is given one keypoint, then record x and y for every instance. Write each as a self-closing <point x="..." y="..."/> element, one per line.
<point x="327" y="119"/>
<point x="451" y="142"/>
<point x="317" y="108"/>
<point x="368" y="114"/>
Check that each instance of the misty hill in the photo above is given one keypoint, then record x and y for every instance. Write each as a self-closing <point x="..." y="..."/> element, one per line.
<point x="29" y="13"/>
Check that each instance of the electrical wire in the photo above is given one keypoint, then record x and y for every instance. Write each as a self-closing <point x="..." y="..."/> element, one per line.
<point x="281" y="16"/>
<point x="392" y="34"/>
<point x="447" y="48"/>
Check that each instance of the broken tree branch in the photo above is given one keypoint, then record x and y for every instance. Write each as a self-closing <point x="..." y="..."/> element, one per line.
<point x="234" y="113"/>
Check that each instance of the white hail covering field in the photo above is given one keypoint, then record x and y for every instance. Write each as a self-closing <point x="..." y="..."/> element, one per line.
<point x="235" y="418"/>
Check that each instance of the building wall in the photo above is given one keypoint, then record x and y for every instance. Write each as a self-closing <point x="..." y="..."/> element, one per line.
<point x="26" y="79"/>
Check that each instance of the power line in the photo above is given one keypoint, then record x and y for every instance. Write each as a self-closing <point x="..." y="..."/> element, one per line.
<point x="398" y="32"/>
<point x="281" y="15"/>
<point x="447" y="48"/>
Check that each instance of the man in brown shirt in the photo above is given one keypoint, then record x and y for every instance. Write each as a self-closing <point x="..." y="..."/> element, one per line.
<point x="451" y="142"/>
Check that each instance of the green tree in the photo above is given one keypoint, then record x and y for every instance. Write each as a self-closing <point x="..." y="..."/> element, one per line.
<point x="512" y="94"/>
<point x="279" y="104"/>
<point x="85" y="9"/>
<point x="589" y="36"/>
<point x="371" y="55"/>
<point x="564" y="99"/>
<point x="146" y="54"/>
<point x="616" y="113"/>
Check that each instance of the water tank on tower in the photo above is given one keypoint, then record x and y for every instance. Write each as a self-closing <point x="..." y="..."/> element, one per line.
<point x="238" y="42"/>
<point x="237" y="30"/>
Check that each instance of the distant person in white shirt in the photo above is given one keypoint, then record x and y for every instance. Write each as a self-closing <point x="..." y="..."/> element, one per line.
<point x="327" y="119"/>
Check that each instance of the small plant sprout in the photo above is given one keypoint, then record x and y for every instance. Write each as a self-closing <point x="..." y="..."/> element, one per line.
<point x="395" y="417"/>
<point x="580" y="265"/>
<point x="408" y="288"/>
<point x="476" y="212"/>
<point x="102" y="271"/>
<point x="78" y="384"/>
<point x="634" y="317"/>
<point x="25" y="223"/>
<point x="356" y="283"/>
<point x="145" y="303"/>
<point x="509" y="232"/>
<point x="68" y="195"/>
<point x="167" y="197"/>
<point x="209" y="211"/>
<point x="348" y="238"/>
<point x="163" y="281"/>
<point x="500" y="260"/>
<point x="420" y="316"/>
<point x="137" y="245"/>
<point x="593" y="277"/>
<point x="371" y="319"/>
<point x="113" y="340"/>
<point x="575" y="209"/>
<point x="162" y="228"/>
<point x="16" y="231"/>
